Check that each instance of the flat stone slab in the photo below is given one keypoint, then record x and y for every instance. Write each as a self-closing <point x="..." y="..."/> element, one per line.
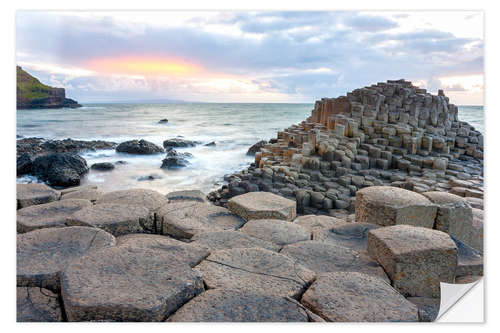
<point x="225" y="305"/>
<point x="188" y="195"/>
<point x="322" y="257"/>
<point x="278" y="232"/>
<point x="229" y="239"/>
<point x="263" y="205"/>
<point x="387" y="205"/>
<point x="89" y="194"/>
<point x="127" y="284"/>
<point x="428" y="308"/>
<point x="150" y="199"/>
<point x="117" y="219"/>
<point x="35" y="194"/>
<point x="184" y="219"/>
<point x="416" y="259"/>
<point x="454" y="215"/>
<point x="37" y="305"/>
<point x="189" y="253"/>
<point x="350" y="235"/>
<point x="78" y="188"/>
<point x="356" y="297"/>
<point x="49" y="215"/>
<point x="42" y="254"/>
<point x="318" y="222"/>
<point x="255" y="270"/>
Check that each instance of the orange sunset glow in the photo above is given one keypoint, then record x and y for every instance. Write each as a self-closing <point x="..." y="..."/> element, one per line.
<point x="144" y="66"/>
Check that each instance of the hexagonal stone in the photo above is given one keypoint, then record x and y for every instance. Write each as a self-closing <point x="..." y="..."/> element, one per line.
<point x="150" y="199"/>
<point x="428" y="308"/>
<point x="350" y="235"/>
<point x="476" y="239"/>
<point x="117" y="219"/>
<point x="255" y="270"/>
<point x="37" y="305"/>
<point x="278" y="232"/>
<point x="189" y="253"/>
<point x="263" y="205"/>
<point x="470" y="261"/>
<point x="416" y="259"/>
<point x="356" y="297"/>
<point x="318" y="222"/>
<point x="127" y="284"/>
<point x="454" y="215"/>
<point x="35" y="194"/>
<point x="88" y="194"/>
<point x="224" y="305"/>
<point x="387" y="205"/>
<point x="184" y="219"/>
<point x="42" y="254"/>
<point x="187" y="195"/>
<point x="49" y="215"/>
<point x="228" y="239"/>
<point x="475" y="202"/>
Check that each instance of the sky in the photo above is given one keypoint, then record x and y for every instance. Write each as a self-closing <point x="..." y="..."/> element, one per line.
<point x="244" y="56"/>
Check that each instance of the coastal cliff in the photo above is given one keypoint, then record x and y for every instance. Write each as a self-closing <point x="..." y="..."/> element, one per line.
<point x="32" y="94"/>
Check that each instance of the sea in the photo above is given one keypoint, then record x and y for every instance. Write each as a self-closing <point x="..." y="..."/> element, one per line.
<point x="234" y="127"/>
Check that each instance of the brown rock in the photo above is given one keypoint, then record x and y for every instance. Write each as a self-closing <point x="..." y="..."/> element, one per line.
<point x="416" y="259"/>
<point x="356" y="297"/>
<point x="467" y="279"/>
<point x="476" y="241"/>
<point x="88" y="194"/>
<point x="475" y="202"/>
<point x="278" y="232"/>
<point x="35" y="194"/>
<point x="78" y="188"/>
<point x="263" y="205"/>
<point x="428" y="308"/>
<point x="229" y="239"/>
<point x="350" y="235"/>
<point x="37" y="305"/>
<point x="187" y="195"/>
<point x="318" y="222"/>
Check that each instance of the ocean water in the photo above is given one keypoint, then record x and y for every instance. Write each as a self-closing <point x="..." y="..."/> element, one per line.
<point x="234" y="128"/>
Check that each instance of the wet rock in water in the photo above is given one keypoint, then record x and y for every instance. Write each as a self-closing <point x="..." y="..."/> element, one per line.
<point x="127" y="284"/>
<point x="416" y="259"/>
<point x="210" y="144"/>
<point x="175" y="159"/>
<point x="37" y="305"/>
<point x="49" y="215"/>
<point x="139" y="147"/>
<point x="87" y="194"/>
<point x="263" y="205"/>
<point x="278" y="232"/>
<point x="187" y="195"/>
<point x="104" y="166"/>
<point x="256" y="147"/>
<point x="37" y="146"/>
<point x="324" y="257"/>
<point x="386" y="205"/>
<point x="255" y="270"/>
<point x="24" y="164"/>
<point x="179" y="143"/>
<point x="350" y="235"/>
<point x="189" y="253"/>
<point x="117" y="219"/>
<point x="229" y="239"/>
<point x="356" y="297"/>
<point x="224" y="305"/>
<point x="318" y="222"/>
<point x="121" y="162"/>
<point x="60" y="169"/>
<point x="35" y="194"/>
<point x="149" y="177"/>
<point x="163" y="121"/>
<point x="428" y="308"/>
<point x="42" y="254"/>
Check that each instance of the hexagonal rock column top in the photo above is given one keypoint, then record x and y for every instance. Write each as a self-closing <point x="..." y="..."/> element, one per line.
<point x="37" y="305"/>
<point x="454" y="215"/>
<point x="127" y="284"/>
<point x="350" y="235"/>
<point x="189" y="253"/>
<point x="184" y="219"/>
<point x="263" y="205"/>
<point x="35" y="194"/>
<point x="323" y="257"/>
<point x="318" y="222"/>
<point x="150" y="199"/>
<point x="229" y="239"/>
<point x="255" y="270"/>
<point x="225" y="305"/>
<point x="42" y="254"/>
<point x="356" y="297"/>
<point x="49" y="215"/>
<point x="416" y="259"/>
<point x="117" y="219"/>
<point x="89" y="194"/>
<point x="387" y="205"/>
<point x="278" y="232"/>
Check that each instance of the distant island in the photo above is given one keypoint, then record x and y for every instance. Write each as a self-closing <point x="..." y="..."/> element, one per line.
<point x="32" y="94"/>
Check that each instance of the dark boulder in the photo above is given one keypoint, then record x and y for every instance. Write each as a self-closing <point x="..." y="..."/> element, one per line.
<point x="139" y="147"/>
<point x="179" y="143"/>
<point x="210" y="144"/>
<point x="104" y="166"/>
<point x="175" y="159"/>
<point x="24" y="164"/>
<point x="60" y="169"/>
<point x="256" y="147"/>
<point x="41" y="146"/>
<point x="163" y="121"/>
<point x="149" y="177"/>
